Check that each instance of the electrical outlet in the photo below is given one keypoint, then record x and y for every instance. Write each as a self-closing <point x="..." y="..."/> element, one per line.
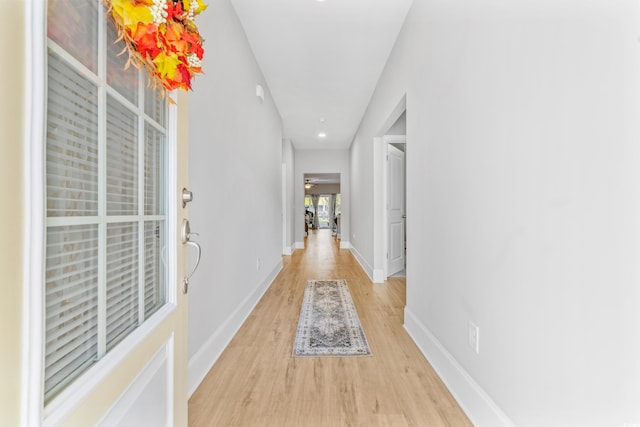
<point x="474" y="337"/>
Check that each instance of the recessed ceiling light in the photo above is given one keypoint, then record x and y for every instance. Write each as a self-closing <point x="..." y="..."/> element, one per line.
<point x="322" y="130"/>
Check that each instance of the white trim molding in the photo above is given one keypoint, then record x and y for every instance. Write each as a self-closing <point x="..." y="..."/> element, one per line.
<point x="363" y="263"/>
<point x="379" y="276"/>
<point x="288" y="250"/>
<point x="204" y="359"/>
<point x="474" y="401"/>
<point x="34" y="226"/>
<point x="132" y="401"/>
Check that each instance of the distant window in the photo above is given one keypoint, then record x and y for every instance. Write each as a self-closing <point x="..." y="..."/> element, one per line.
<point x="308" y="204"/>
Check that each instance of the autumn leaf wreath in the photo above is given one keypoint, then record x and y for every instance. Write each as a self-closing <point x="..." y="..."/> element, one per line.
<point x="162" y="38"/>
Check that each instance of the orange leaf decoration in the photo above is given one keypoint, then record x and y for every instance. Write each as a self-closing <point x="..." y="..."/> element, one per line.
<point x="146" y="40"/>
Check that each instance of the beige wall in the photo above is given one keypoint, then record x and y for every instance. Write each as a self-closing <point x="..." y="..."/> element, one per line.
<point x="11" y="207"/>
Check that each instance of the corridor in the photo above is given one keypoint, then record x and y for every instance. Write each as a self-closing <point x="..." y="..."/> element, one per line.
<point x="257" y="381"/>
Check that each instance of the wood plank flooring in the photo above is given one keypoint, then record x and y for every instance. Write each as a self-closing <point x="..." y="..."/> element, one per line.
<point x="257" y="381"/>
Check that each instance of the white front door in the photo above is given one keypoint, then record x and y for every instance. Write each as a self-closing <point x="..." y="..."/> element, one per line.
<point x="108" y="334"/>
<point x="395" y="210"/>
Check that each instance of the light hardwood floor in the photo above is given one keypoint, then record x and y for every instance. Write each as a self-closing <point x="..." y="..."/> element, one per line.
<point x="257" y="381"/>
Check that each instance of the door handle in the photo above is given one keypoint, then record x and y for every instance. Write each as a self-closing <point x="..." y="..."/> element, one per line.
<point x="185" y="282"/>
<point x="185" y="235"/>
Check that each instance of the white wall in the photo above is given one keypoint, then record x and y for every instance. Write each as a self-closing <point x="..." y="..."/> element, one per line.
<point x="523" y="205"/>
<point x="400" y="126"/>
<point x="236" y="176"/>
<point x="321" y="161"/>
<point x="288" y="159"/>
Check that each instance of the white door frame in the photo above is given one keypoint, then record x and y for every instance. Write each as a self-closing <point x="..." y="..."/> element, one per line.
<point x="382" y="238"/>
<point x="380" y="194"/>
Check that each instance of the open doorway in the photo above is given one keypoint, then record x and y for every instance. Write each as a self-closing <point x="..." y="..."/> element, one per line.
<point x="396" y="232"/>
<point x="323" y="214"/>
<point x="390" y="234"/>
<point x="322" y="202"/>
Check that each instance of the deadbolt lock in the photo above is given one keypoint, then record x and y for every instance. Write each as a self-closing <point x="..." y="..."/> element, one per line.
<point x="187" y="196"/>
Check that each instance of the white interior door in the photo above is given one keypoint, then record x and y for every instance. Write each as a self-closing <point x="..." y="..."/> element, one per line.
<point x="108" y="329"/>
<point x="395" y="210"/>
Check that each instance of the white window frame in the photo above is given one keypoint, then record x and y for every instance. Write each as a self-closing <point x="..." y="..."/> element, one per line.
<point x="33" y="411"/>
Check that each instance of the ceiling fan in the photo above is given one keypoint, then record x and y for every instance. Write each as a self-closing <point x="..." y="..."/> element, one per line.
<point x="308" y="184"/>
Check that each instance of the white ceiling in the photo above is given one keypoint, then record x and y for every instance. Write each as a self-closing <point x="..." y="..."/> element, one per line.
<point x="321" y="59"/>
<point x="322" y="178"/>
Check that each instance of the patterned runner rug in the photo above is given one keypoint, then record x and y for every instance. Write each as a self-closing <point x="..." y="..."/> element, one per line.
<point x="329" y="324"/>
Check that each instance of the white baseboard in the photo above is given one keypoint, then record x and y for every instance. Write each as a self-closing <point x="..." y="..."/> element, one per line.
<point x="363" y="263"/>
<point x="299" y="245"/>
<point x="288" y="250"/>
<point x="474" y="401"/>
<point x="378" y="276"/>
<point x="345" y="244"/>
<point x="208" y="354"/>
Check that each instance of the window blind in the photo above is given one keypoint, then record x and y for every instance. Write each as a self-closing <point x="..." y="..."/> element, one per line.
<point x="72" y="142"/>
<point x="154" y="285"/>
<point x="122" y="281"/>
<point x="71" y="303"/>
<point x="122" y="160"/>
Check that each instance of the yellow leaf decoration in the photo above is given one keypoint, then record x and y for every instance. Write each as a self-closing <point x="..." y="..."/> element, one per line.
<point x="201" y="6"/>
<point x="166" y="65"/>
<point x="130" y="14"/>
